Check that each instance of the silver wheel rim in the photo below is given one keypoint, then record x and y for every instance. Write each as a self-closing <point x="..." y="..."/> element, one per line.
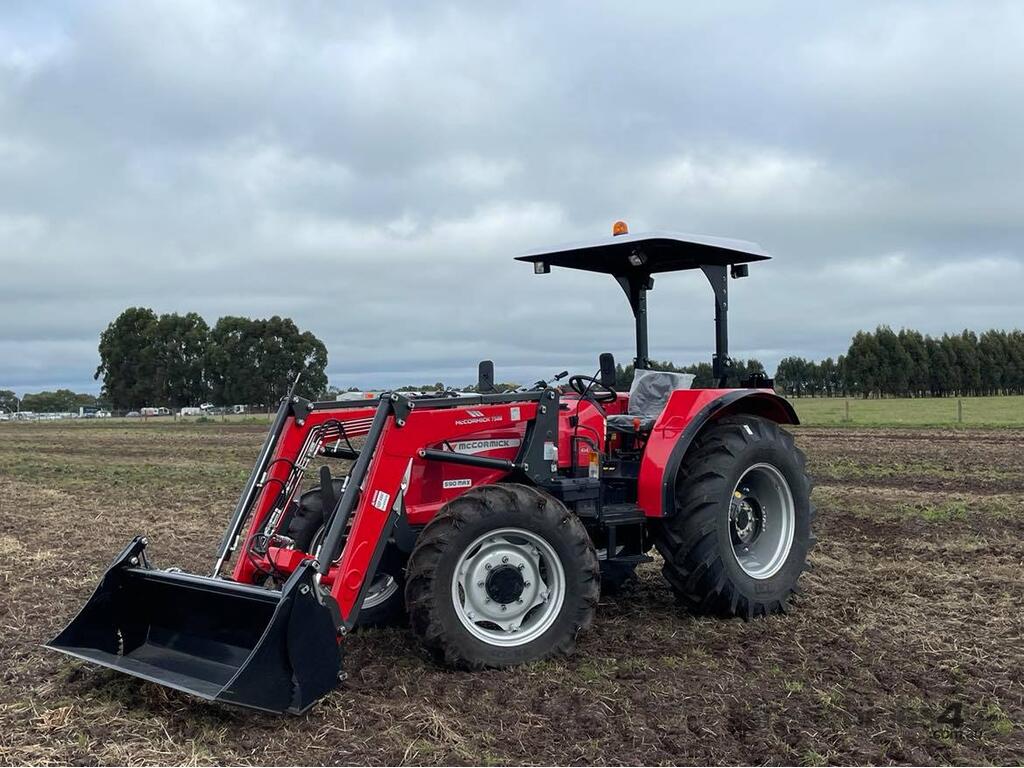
<point x="383" y="587"/>
<point x="381" y="590"/>
<point x="762" y="521"/>
<point x="508" y="587"/>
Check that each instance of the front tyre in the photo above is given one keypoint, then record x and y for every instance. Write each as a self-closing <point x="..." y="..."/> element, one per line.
<point x="504" y="574"/>
<point x="741" y="531"/>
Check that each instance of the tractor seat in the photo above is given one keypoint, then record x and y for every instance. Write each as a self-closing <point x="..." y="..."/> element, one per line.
<point x="648" y="396"/>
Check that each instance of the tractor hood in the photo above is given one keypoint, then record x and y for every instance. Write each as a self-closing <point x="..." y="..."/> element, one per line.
<point x="647" y="253"/>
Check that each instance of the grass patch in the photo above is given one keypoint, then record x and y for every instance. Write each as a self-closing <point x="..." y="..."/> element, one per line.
<point x="997" y="411"/>
<point x="998" y="721"/>
<point x="811" y="757"/>
<point x="885" y="504"/>
<point x="941" y="513"/>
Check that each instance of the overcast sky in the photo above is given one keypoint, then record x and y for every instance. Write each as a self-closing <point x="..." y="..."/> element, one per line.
<point x="370" y="171"/>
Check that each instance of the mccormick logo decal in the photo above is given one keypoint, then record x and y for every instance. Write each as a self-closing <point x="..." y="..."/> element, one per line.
<point x="482" y="446"/>
<point x="477" y="417"/>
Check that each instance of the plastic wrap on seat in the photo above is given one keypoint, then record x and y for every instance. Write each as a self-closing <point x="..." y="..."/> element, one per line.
<point x="648" y="396"/>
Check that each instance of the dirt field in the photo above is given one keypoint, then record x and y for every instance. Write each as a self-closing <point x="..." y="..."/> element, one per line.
<point x="913" y="607"/>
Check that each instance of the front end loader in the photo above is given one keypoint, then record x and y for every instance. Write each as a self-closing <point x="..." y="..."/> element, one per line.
<point x="490" y="522"/>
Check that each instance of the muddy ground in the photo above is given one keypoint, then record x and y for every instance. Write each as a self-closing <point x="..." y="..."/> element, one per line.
<point x="913" y="609"/>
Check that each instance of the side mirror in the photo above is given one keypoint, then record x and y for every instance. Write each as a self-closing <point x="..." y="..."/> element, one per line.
<point x="607" y="361"/>
<point x="485" y="377"/>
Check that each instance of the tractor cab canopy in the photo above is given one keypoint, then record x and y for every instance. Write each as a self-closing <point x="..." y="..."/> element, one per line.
<point x="633" y="259"/>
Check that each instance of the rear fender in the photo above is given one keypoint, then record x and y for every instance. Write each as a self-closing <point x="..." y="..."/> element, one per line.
<point x="687" y="413"/>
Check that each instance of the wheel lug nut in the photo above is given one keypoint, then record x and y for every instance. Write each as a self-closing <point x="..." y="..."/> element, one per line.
<point x="479" y="583"/>
<point x="504" y="559"/>
<point x="487" y="567"/>
<point x="519" y="600"/>
<point x="504" y="607"/>
<point x="526" y="583"/>
<point x="521" y="566"/>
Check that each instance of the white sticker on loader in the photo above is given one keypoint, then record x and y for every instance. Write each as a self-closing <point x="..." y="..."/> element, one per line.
<point x="514" y="413"/>
<point x="381" y="500"/>
<point x="462" y="482"/>
<point x="482" y="446"/>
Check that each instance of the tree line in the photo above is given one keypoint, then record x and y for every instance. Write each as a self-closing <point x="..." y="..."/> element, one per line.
<point x="702" y="375"/>
<point x="178" y="360"/>
<point x="886" y="363"/>
<point x="57" y="401"/>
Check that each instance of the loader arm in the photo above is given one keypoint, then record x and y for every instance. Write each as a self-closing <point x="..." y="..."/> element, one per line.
<point x="398" y="434"/>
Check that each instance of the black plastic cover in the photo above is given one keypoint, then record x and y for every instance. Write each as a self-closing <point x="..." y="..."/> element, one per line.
<point x="648" y="253"/>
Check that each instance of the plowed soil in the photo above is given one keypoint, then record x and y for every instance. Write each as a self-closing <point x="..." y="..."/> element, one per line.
<point x="910" y="617"/>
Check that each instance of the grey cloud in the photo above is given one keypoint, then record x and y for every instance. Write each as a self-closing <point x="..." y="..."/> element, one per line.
<point x="370" y="170"/>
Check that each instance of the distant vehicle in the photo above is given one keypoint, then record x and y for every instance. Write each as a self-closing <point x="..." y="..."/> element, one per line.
<point x="161" y="411"/>
<point x="357" y="395"/>
<point x="191" y="411"/>
<point x="132" y="415"/>
<point x="89" y="411"/>
<point x="207" y="406"/>
<point x="240" y="409"/>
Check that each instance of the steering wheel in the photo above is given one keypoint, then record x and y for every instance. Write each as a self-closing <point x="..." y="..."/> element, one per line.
<point x="588" y="386"/>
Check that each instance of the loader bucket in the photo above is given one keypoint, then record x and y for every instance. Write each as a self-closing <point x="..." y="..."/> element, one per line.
<point x="217" y="639"/>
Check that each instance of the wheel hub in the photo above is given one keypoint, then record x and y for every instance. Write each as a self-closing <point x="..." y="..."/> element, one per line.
<point x="505" y="584"/>
<point x="508" y="586"/>
<point x="747" y="517"/>
<point x="762" y="521"/>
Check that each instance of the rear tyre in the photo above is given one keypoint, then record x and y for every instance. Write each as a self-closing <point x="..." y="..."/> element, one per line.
<point x="504" y="574"/>
<point x="384" y="604"/>
<point x="740" y="536"/>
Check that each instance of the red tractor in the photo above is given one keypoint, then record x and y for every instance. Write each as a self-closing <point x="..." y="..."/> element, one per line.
<point x="490" y="519"/>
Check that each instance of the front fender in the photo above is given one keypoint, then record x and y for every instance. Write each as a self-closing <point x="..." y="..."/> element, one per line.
<point x="687" y="412"/>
